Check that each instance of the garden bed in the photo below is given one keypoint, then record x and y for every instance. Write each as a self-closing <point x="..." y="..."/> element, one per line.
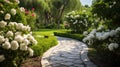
<point x="32" y="62"/>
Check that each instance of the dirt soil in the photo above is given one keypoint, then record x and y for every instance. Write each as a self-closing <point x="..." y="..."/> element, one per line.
<point x="32" y="62"/>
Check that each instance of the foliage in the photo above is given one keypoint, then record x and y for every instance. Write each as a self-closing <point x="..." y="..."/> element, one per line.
<point x="31" y="18"/>
<point x="69" y="35"/>
<point x="105" y="42"/>
<point x="108" y="9"/>
<point x="50" y="12"/>
<point x="15" y="37"/>
<point x="78" y="21"/>
<point x="43" y="43"/>
<point x="6" y="8"/>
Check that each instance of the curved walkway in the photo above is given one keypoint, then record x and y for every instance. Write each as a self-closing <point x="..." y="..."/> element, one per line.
<point x="68" y="53"/>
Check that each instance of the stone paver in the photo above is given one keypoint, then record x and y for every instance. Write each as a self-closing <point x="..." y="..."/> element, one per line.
<point x="68" y="53"/>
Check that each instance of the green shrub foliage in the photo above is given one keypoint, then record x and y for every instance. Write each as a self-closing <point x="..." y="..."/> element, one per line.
<point x="78" y="21"/>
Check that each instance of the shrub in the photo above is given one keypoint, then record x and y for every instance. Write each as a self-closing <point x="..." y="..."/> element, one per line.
<point x="15" y="38"/>
<point x="31" y="18"/>
<point x="11" y="7"/>
<point x="108" y="9"/>
<point x="78" y="21"/>
<point x="106" y="43"/>
<point x="69" y="35"/>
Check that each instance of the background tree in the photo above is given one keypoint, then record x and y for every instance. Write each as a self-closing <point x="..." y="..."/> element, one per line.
<point x="50" y="12"/>
<point x="108" y="9"/>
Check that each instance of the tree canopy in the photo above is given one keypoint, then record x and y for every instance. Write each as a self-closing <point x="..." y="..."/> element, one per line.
<point x="51" y="11"/>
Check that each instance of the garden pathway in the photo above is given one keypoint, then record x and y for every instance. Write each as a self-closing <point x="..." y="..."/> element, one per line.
<point x="68" y="53"/>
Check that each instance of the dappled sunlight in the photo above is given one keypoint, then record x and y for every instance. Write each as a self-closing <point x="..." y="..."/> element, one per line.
<point x="67" y="53"/>
<point x="64" y="33"/>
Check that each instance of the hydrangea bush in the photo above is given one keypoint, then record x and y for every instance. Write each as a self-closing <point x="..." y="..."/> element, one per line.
<point x="106" y="42"/>
<point x="78" y="21"/>
<point x="15" y="37"/>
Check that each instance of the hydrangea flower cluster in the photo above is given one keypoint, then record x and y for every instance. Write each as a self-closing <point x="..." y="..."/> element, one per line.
<point x="112" y="36"/>
<point x="15" y="36"/>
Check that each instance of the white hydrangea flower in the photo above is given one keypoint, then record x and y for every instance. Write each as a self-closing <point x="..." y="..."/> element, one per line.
<point x="93" y="31"/>
<point x="85" y="39"/>
<point x="116" y="45"/>
<point x="17" y="1"/>
<point x="95" y="15"/>
<point x="31" y="52"/>
<point x="97" y="34"/>
<point x="75" y="22"/>
<point x="105" y="35"/>
<point x="118" y="29"/>
<point x="19" y="26"/>
<point x="113" y="33"/>
<point x="23" y="47"/>
<point x="2" y="39"/>
<point x="7" y="16"/>
<point x="15" y="23"/>
<point x="3" y="24"/>
<point x="85" y="33"/>
<point x="34" y="42"/>
<point x="24" y="28"/>
<point x="111" y="47"/>
<point x="67" y="16"/>
<point x="26" y="36"/>
<point x="2" y="58"/>
<point x="2" y="12"/>
<point x="100" y="38"/>
<point x="6" y="45"/>
<point x="22" y="9"/>
<point x="9" y="34"/>
<point x="13" y="11"/>
<point x="6" y="39"/>
<point x="11" y="24"/>
<point x="84" y="11"/>
<point x="28" y="28"/>
<point x="114" y="2"/>
<point x="101" y="27"/>
<point x="7" y="1"/>
<point x="110" y="6"/>
<point x="71" y="16"/>
<point x="31" y="33"/>
<point x="14" y="45"/>
<point x="30" y="37"/>
<point x="18" y="33"/>
<point x="91" y="36"/>
<point x="77" y="16"/>
<point x="26" y="42"/>
<point x="19" y="38"/>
